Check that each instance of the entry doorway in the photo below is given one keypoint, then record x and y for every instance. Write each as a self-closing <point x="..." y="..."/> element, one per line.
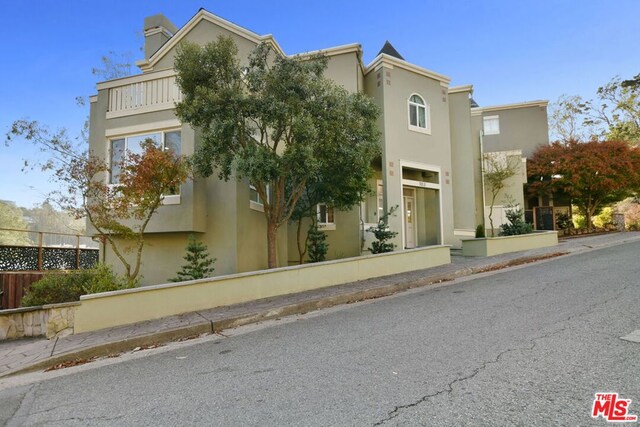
<point x="409" y="200"/>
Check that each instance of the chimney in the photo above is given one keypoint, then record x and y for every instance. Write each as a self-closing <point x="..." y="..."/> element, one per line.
<point x="157" y="31"/>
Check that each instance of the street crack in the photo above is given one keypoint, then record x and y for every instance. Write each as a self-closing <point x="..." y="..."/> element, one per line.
<point x="449" y="387"/>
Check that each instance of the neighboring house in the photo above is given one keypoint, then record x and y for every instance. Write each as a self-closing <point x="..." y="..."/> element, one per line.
<point x="518" y="130"/>
<point x="432" y="145"/>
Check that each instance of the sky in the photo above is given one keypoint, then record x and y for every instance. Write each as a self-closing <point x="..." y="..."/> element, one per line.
<point x="511" y="51"/>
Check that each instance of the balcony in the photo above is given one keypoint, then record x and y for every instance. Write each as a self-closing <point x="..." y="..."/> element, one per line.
<point x="143" y="93"/>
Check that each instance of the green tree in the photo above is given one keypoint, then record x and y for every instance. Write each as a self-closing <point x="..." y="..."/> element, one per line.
<point x="317" y="245"/>
<point x="199" y="263"/>
<point x="497" y="169"/>
<point x="516" y="224"/>
<point x="45" y="217"/>
<point x="11" y="217"/>
<point x="566" y="119"/>
<point x="383" y="234"/>
<point x="276" y="122"/>
<point x="613" y="115"/>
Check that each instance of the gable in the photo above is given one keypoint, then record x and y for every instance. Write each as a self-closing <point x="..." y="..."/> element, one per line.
<point x="205" y="27"/>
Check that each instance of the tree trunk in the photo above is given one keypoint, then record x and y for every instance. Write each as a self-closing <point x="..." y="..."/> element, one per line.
<point x="590" y="211"/>
<point x="272" y="231"/>
<point x="301" y="251"/>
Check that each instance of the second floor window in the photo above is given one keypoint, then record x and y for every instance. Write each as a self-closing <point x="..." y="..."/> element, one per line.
<point x="254" y="196"/>
<point x="491" y="125"/>
<point x="255" y="201"/>
<point x="419" y="114"/>
<point x="169" y="141"/>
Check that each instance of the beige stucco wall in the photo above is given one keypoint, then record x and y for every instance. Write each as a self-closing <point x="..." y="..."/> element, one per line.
<point x="343" y="238"/>
<point x="524" y="128"/>
<point x="465" y="164"/>
<point x="511" y="194"/>
<point x="234" y="233"/>
<point x="391" y="88"/>
<point x="110" y="309"/>
<point x="499" y="245"/>
<point x="345" y="70"/>
<point x="203" y="33"/>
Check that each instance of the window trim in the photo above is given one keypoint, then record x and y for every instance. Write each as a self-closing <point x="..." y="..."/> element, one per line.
<point x="427" y="114"/>
<point x="326" y="225"/>
<point x="258" y="205"/>
<point x="168" y="199"/>
<point x="497" y="119"/>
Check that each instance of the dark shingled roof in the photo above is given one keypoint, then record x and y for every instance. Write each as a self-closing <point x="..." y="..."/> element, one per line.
<point x="474" y="104"/>
<point x="388" y="49"/>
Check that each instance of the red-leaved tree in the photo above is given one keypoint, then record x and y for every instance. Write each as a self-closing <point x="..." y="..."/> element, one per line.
<point x="594" y="174"/>
<point x="119" y="213"/>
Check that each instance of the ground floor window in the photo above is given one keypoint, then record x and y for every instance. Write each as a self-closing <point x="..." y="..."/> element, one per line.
<point x="325" y="214"/>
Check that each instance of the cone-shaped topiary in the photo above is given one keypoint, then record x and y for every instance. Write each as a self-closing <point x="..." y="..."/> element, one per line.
<point x="199" y="263"/>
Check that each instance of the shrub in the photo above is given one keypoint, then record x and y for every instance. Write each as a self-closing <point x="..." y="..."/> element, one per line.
<point x="68" y="286"/>
<point x="563" y="221"/>
<point x="604" y="218"/>
<point x="516" y="225"/>
<point x="317" y="246"/>
<point x="383" y="234"/>
<point x="199" y="263"/>
<point x="579" y="221"/>
<point x="480" y="232"/>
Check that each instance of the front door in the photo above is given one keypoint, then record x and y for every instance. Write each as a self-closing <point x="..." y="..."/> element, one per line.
<point x="409" y="218"/>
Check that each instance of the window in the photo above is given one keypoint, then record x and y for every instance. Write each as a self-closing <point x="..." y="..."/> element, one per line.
<point x="169" y="141"/>
<point x="419" y="119"/>
<point x="255" y="201"/>
<point x="491" y="125"/>
<point x="325" y="214"/>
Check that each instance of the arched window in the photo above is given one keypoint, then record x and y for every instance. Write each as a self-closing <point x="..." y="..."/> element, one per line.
<point x="419" y="119"/>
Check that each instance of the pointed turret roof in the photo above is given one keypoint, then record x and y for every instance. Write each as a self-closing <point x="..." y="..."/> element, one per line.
<point x="388" y="49"/>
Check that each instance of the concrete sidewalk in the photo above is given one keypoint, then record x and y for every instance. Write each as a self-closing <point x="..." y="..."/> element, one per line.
<point x="25" y="355"/>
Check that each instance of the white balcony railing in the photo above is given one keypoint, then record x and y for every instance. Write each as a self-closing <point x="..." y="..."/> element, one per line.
<point x="142" y="94"/>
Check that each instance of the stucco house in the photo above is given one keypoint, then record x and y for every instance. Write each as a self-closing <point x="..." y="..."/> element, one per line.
<point x="433" y="140"/>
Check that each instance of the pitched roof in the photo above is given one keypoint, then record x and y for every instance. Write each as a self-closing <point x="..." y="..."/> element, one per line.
<point x="388" y="49"/>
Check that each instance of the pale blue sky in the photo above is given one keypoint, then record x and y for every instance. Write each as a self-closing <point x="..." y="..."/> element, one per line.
<point x="511" y="51"/>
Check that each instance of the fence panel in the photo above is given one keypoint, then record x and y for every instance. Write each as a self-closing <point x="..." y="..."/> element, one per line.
<point x="13" y="287"/>
<point x="29" y="258"/>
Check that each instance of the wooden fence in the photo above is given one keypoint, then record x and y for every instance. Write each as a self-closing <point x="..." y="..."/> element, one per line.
<point x="13" y="286"/>
<point x="26" y="255"/>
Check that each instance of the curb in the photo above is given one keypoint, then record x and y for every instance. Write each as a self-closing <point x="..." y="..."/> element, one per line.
<point x="212" y="327"/>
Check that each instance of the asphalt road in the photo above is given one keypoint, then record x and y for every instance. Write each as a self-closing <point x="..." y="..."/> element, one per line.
<point x="524" y="346"/>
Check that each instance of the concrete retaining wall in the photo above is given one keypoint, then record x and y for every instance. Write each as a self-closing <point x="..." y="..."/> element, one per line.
<point x="110" y="309"/>
<point x="500" y="245"/>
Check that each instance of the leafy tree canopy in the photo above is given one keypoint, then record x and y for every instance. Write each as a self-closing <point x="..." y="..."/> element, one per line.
<point x="11" y="218"/>
<point x="275" y="121"/>
<point x="613" y="115"/>
<point x="594" y="174"/>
